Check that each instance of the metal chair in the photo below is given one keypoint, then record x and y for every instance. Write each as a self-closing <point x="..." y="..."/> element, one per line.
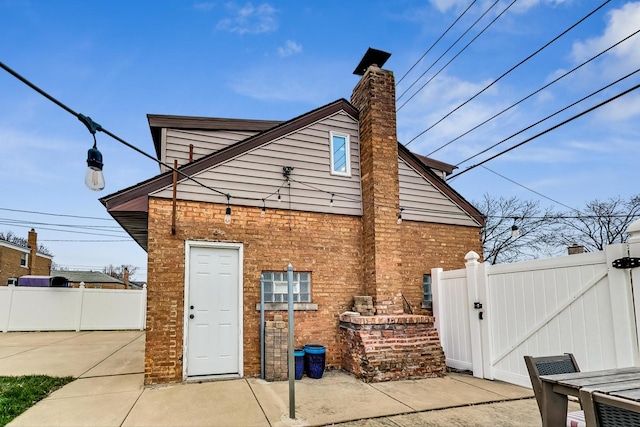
<point x="551" y="365"/>
<point x="601" y="410"/>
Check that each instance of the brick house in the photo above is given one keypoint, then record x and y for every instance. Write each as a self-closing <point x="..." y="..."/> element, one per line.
<point x="323" y="191"/>
<point x="17" y="260"/>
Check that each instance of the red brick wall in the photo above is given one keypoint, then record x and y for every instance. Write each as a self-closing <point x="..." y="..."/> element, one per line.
<point x="329" y="246"/>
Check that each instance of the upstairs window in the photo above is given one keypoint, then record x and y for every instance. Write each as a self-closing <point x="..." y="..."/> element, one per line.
<point x="24" y="260"/>
<point x="340" y="156"/>
<point x="275" y="286"/>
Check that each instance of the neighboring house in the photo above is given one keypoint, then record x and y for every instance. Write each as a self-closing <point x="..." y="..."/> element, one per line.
<point x="16" y="260"/>
<point x="323" y="191"/>
<point x="91" y="279"/>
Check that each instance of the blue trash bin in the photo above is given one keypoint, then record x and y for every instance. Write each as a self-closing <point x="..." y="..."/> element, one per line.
<point x="314" y="357"/>
<point x="299" y="356"/>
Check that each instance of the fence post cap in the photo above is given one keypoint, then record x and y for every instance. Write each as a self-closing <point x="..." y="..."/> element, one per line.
<point x="471" y="256"/>
<point x="634" y="229"/>
<point x="82" y="284"/>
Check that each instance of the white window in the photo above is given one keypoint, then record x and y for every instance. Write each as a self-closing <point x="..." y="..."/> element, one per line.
<point x="24" y="260"/>
<point x="275" y="286"/>
<point x="340" y="154"/>
<point x="427" y="301"/>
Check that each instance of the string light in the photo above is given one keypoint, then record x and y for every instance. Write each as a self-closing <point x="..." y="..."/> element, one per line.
<point x="399" y="221"/>
<point x="331" y="201"/>
<point x="515" y="231"/>
<point x="227" y="214"/>
<point x="279" y="199"/>
<point x="263" y="212"/>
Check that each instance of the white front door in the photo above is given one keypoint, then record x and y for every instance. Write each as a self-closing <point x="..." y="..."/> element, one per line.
<point x="213" y="311"/>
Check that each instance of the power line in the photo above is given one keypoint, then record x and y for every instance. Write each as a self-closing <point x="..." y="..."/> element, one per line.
<point x="56" y="214"/>
<point x="61" y="231"/>
<point x="436" y="42"/>
<point x="83" y="241"/>
<point x="537" y="91"/>
<point x="507" y="72"/>
<point x="88" y="227"/>
<point x="549" y="129"/>
<point x="548" y="117"/>
<point x="456" y="55"/>
<point x="530" y="189"/>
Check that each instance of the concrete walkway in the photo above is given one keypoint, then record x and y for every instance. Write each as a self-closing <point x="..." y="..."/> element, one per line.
<point x="109" y="391"/>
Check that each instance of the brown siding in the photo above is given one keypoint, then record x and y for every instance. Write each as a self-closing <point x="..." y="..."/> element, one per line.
<point x="258" y="174"/>
<point x="329" y="246"/>
<point x="422" y="201"/>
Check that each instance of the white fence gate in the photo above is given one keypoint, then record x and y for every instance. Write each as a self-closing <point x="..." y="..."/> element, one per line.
<point x="490" y="316"/>
<point x="71" y="309"/>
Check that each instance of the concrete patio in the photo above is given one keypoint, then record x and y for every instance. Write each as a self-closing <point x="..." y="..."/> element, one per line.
<point x="109" y="391"/>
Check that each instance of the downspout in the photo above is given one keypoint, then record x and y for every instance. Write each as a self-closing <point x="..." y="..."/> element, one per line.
<point x="262" y="326"/>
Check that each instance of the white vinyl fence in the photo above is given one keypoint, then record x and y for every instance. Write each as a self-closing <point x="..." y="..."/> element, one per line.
<point x="490" y="316"/>
<point x="71" y="309"/>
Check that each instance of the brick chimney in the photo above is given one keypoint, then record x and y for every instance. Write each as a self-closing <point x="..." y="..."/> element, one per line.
<point x="32" y="243"/>
<point x="126" y="278"/>
<point x="374" y="96"/>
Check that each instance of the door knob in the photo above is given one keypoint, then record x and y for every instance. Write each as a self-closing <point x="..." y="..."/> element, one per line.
<point x="191" y="316"/>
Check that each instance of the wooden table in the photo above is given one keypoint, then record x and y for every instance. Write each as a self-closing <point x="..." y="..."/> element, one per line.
<point x="622" y="382"/>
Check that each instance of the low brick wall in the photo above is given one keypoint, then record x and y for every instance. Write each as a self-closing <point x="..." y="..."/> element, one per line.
<point x="388" y="348"/>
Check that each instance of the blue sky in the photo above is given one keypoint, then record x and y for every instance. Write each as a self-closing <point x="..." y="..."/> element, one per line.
<point x="117" y="61"/>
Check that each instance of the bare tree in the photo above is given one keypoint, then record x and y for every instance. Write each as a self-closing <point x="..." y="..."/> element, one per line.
<point x="599" y="223"/>
<point x="9" y="236"/>
<point x="118" y="271"/>
<point x="536" y="227"/>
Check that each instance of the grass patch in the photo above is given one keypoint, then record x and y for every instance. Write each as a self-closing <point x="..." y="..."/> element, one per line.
<point x="17" y="394"/>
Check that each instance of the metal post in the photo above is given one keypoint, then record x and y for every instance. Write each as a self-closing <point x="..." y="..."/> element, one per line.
<point x="262" y="326"/>
<point x="292" y="369"/>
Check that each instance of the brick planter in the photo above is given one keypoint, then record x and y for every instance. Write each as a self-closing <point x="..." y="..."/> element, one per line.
<point x="389" y="348"/>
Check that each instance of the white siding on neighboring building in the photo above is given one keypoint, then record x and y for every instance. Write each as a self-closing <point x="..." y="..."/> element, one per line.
<point x="422" y="201"/>
<point x="177" y="141"/>
<point x="258" y="173"/>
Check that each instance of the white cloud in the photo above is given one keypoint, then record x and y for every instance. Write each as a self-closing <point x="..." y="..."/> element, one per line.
<point x="289" y="48"/>
<point x="249" y="19"/>
<point x="620" y="23"/>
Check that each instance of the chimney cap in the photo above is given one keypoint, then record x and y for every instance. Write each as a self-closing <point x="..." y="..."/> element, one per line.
<point x="372" y="57"/>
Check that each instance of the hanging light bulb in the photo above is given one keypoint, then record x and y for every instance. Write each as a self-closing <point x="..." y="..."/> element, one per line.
<point x="515" y="231"/>
<point x="263" y="212"/>
<point x="279" y="199"/>
<point x="227" y="213"/>
<point x="94" y="178"/>
<point x="331" y="201"/>
<point x="399" y="220"/>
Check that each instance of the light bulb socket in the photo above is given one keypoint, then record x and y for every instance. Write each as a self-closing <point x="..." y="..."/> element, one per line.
<point x="94" y="158"/>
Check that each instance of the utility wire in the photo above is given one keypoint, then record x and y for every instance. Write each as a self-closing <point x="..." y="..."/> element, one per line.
<point x="56" y="214"/>
<point x="550" y="129"/>
<point x="530" y="189"/>
<point x="436" y="42"/>
<point x="62" y="231"/>
<point x="507" y="72"/>
<point x="448" y="49"/>
<point x="537" y="91"/>
<point x="548" y="117"/>
<point x="108" y="229"/>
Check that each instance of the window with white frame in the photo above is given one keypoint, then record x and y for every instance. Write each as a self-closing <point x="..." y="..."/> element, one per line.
<point x="340" y="154"/>
<point x="427" y="301"/>
<point x="275" y="286"/>
<point x="24" y="260"/>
